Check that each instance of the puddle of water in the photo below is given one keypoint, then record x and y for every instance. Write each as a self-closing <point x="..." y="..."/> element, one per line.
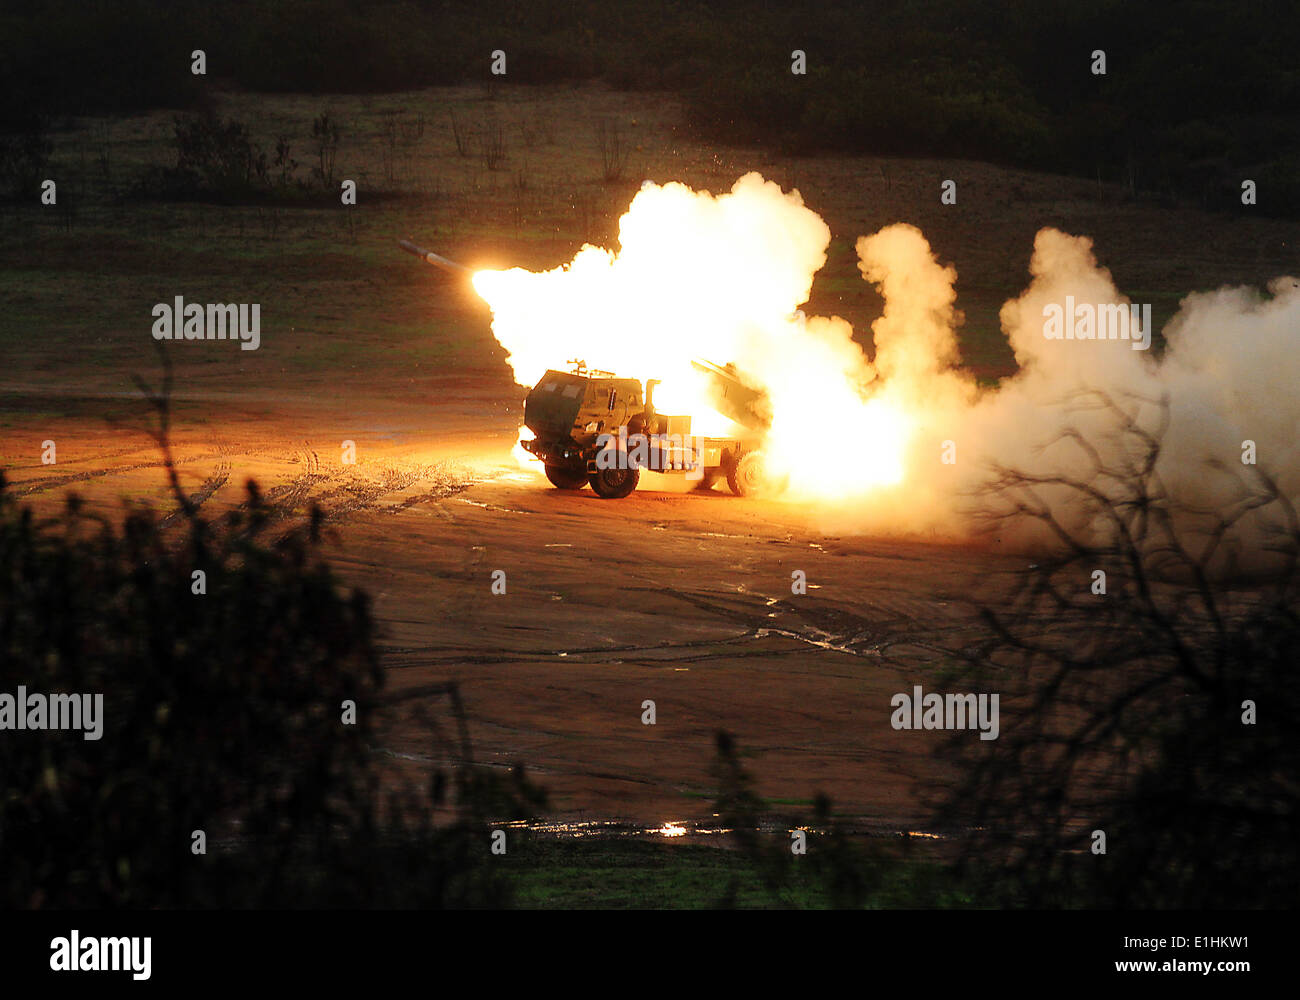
<point x="823" y="642"/>
<point x="674" y="829"/>
<point x="610" y="829"/>
<point x="492" y="506"/>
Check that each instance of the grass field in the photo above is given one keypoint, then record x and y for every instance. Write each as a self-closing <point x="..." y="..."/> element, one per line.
<point x="639" y="874"/>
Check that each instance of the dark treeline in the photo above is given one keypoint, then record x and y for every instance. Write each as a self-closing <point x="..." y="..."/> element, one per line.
<point x="1197" y="95"/>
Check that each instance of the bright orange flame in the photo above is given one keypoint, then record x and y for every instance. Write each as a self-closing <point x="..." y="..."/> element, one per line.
<point x="525" y="459"/>
<point x="719" y="278"/>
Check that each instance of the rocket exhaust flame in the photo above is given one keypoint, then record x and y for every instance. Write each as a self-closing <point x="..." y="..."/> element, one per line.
<point x="720" y="279"/>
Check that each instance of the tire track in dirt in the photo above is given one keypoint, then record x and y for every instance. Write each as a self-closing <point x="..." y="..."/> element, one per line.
<point x="350" y="490"/>
<point x="695" y="650"/>
<point x="99" y="457"/>
<point x="827" y="628"/>
<point x="27" y="489"/>
<point x="285" y="499"/>
<point x="831" y="628"/>
<point x="219" y="477"/>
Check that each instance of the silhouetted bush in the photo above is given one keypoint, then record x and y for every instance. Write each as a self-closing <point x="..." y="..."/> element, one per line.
<point x="217" y="160"/>
<point x="223" y="711"/>
<point x="1125" y="712"/>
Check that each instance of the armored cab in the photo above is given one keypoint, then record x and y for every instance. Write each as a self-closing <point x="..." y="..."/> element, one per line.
<point x="570" y="412"/>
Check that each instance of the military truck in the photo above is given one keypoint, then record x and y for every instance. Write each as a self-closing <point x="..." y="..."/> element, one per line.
<point x="593" y="427"/>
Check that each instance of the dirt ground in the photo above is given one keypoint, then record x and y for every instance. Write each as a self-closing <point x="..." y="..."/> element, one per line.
<point x="681" y="599"/>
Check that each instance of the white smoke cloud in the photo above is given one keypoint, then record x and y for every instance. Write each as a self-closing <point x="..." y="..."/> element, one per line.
<point x="1228" y="376"/>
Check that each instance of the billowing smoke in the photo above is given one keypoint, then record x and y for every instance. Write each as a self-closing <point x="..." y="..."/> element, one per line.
<point x="720" y="278"/>
<point x="694" y="276"/>
<point x="905" y="442"/>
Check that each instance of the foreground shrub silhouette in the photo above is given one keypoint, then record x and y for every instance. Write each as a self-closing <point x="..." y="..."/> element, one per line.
<point x="1131" y="712"/>
<point x="840" y="870"/>
<point x="222" y="712"/>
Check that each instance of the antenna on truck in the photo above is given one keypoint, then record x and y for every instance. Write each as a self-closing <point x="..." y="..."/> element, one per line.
<point x="580" y="368"/>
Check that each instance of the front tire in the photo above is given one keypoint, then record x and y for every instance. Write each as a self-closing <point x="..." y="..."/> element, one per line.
<point x="565" y="479"/>
<point x="614" y="484"/>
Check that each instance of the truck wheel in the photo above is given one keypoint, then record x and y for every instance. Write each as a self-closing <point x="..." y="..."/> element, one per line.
<point x="565" y="479"/>
<point x="750" y="477"/>
<point x="614" y="484"/>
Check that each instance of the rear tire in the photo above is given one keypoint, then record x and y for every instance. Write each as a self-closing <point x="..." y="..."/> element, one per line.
<point x="565" y="479"/>
<point x="614" y="484"/>
<point x="750" y="477"/>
